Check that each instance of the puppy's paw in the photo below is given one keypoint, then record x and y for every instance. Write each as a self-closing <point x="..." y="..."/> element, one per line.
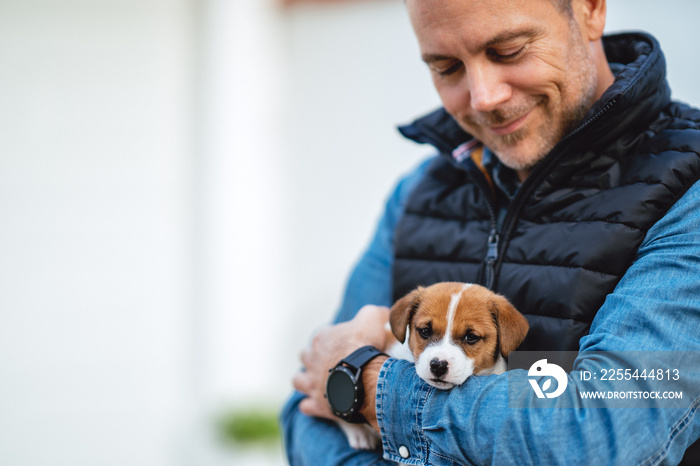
<point x="360" y="436"/>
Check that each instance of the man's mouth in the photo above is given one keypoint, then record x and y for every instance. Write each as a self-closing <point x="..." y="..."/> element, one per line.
<point x="510" y="127"/>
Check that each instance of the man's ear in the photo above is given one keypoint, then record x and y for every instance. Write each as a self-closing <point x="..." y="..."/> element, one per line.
<point x="590" y="15"/>
<point x="402" y="312"/>
<point x="512" y="325"/>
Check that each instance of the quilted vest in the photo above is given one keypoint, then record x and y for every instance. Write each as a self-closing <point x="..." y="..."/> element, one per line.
<point x="575" y="224"/>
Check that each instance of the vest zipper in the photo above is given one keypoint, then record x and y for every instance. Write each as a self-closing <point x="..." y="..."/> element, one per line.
<point x="491" y="257"/>
<point x="492" y="248"/>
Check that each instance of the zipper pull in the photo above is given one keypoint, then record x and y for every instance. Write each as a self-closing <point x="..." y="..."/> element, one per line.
<point x="492" y="253"/>
<point x="491" y="257"/>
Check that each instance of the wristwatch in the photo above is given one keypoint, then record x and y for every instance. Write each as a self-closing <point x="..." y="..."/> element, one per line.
<point x="344" y="389"/>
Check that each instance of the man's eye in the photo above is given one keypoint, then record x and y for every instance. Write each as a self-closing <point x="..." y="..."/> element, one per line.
<point x="507" y="54"/>
<point x="425" y="332"/>
<point x="448" y="70"/>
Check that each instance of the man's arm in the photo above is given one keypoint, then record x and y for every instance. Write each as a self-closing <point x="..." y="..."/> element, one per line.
<point x="311" y="440"/>
<point x="655" y="307"/>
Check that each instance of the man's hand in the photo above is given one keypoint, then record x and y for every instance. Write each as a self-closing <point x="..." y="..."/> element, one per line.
<point x="328" y="347"/>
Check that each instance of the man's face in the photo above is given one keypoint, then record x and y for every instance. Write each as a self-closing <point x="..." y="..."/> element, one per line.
<point x="515" y="74"/>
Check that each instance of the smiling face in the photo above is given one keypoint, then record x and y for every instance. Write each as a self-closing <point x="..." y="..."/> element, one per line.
<point x="517" y="75"/>
<point x="456" y="330"/>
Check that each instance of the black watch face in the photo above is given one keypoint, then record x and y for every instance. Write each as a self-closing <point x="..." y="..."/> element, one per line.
<point x="341" y="390"/>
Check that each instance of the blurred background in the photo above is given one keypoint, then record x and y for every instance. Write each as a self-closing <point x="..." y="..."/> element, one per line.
<point x="184" y="186"/>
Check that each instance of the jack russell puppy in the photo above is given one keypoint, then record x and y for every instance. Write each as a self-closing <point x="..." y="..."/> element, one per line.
<point x="451" y="331"/>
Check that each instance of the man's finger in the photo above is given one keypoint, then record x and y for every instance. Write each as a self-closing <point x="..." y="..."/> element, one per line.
<point x="311" y="407"/>
<point x="302" y="382"/>
<point x="371" y="312"/>
<point x="323" y="328"/>
<point x="306" y="357"/>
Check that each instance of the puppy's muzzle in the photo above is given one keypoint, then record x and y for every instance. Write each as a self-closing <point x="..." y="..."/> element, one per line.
<point x="438" y="367"/>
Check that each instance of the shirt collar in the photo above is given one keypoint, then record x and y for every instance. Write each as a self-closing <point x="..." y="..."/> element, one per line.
<point x="503" y="178"/>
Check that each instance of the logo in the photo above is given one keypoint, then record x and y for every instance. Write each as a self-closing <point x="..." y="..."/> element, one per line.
<point x="543" y="369"/>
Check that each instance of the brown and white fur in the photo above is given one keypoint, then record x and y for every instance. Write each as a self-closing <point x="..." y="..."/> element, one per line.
<point x="451" y="331"/>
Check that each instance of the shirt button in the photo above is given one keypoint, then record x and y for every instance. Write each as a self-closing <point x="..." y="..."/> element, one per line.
<point x="403" y="451"/>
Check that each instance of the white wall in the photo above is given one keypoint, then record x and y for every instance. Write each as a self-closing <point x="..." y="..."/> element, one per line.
<point x="95" y="202"/>
<point x="181" y="180"/>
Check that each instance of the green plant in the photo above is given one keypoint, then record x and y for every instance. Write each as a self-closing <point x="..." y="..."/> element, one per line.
<point x="250" y="426"/>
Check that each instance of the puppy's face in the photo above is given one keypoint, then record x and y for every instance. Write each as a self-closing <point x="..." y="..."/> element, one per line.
<point x="455" y="330"/>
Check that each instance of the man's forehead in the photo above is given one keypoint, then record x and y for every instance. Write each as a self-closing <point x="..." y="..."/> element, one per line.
<point x="440" y="11"/>
<point x="483" y="23"/>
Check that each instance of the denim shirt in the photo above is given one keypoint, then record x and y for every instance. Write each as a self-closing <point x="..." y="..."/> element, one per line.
<point x="655" y="307"/>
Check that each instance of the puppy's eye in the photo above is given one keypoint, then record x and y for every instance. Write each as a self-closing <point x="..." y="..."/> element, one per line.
<point x="425" y="332"/>
<point x="471" y="339"/>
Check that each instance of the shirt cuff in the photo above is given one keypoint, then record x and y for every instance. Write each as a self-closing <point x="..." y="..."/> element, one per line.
<point x="400" y="417"/>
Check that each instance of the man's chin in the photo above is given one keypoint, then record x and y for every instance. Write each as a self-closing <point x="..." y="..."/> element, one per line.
<point x="520" y="150"/>
<point x="520" y="159"/>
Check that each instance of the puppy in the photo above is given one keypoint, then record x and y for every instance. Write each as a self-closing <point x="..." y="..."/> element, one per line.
<point x="455" y="330"/>
<point x="451" y="331"/>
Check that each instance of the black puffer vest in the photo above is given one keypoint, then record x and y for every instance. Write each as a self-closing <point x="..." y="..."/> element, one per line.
<point x="575" y="225"/>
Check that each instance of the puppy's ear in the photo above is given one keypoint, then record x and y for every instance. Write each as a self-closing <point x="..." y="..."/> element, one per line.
<point x="402" y="312"/>
<point x="512" y="325"/>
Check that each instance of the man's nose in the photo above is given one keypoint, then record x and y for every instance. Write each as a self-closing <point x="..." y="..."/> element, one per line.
<point x="487" y="88"/>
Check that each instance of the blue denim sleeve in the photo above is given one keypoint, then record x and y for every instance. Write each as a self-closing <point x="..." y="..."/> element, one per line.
<point x="655" y="307"/>
<point x="311" y="441"/>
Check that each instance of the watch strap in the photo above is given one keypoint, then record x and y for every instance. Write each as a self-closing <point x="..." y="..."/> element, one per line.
<point x="360" y="357"/>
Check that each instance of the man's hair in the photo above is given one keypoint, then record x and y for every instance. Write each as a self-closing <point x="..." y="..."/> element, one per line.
<point x="564" y="7"/>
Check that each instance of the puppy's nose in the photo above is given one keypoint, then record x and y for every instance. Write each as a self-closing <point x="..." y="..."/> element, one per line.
<point x="438" y="367"/>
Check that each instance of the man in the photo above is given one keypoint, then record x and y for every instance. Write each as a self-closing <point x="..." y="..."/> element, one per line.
<point x="566" y="181"/>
